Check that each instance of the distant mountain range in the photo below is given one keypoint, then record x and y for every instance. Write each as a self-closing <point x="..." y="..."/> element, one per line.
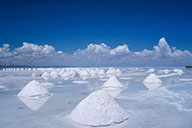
<point x="25" y="66"/>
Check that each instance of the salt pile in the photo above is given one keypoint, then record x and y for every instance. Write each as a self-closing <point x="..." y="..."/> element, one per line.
<point x="54" y="74"/>
<point x="62" y="71"/>
<point x="118" y="72"/>
<point x="45" y="75"/>
<point x="112" y="83"/>
<point x="101" y="72"/>
<point x="92" y="73"/>
<point x="152" y="82"/>
<point x="73" y="73"/>
<point x="98" y="109"/>
<point x="34" y="90"/>
<point x="166" y="71"/>
<point x="179" y="71"/>
<point x="151" y="70"/>
<point x="84" y="74"/>
<point x="111" y="72"/>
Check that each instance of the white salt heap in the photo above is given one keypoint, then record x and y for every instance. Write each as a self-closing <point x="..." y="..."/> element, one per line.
<point x="179" y="71"/>
<point x="45" y="75"/>
<point x="66" y="75"/>
<point x="92" y="73"/>
<point x="118" y="72"/>
<point x="152" y="82"/>
<point x="111" y="72"/>
<point x="112" y="83"/>
<point x="98" y="109"/>
<point x="61" y="72"/>
<point x="73" y="73"/>
<point x="84" y="74"/>
<point x="151" y="70"/>
<point x="101" y="72"/>
<point x="166" y="71"/>
<point x="34" y="90"/>
<point x="54" y="74"/>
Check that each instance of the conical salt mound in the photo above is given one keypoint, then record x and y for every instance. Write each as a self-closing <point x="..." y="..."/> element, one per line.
<point x="34" y="90"/>
<point x="54" y="74"/>
<point x="98" y="109"/>
<point x="151" y="70"/>
<point x="45" y="75"/>
<point x="112" y="83"/>
<point x="166" y="71"/>
<point x="152" y="78"/>
<point x="152" y="82"/>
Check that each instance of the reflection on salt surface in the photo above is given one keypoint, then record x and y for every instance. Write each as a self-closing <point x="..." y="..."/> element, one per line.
<point x="66" y="77"/>
<point x="114" y="92"/>
<point x="152" y="86"/>
<point x="84" y="77"/>
<point x="171" y="102"/>
<point x="34" y="103"/>
<point x="101" y="75"/>
<point x="81" y="82"/>
<point x="110" y="126"/>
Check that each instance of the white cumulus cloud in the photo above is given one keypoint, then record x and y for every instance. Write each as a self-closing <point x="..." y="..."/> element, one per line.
<point x="120" y="50"/>
<point x="95" y="55"/>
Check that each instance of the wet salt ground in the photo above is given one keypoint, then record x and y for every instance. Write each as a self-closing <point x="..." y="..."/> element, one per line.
<point x="169" y="106"/>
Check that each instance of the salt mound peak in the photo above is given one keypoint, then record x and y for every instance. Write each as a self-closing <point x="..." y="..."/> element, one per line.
<point x="98" y="109"/>
<point x="151" y="70"/>
<point x="152" y="78"/>
<point x="34" y="90"/>
<point x="54" y="74"/>
<point x="179" y="71"/>
<point x="118" y="71"/>
<point x="45" y="75"/>
<point x="112" y="82"/>
<point x="166" y="71"/>
<point x="111" y="71"/>
<point x="101" y="72"/>
<point x="84" y="73"/>
<point x="152" y="82"/>
<point x="92" y="73"/>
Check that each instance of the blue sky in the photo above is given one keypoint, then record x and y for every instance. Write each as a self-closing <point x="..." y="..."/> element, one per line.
<point x="72" y="25"/>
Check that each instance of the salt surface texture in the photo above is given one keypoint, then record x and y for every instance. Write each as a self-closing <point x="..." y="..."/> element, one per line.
<point x="152" y="82"/>
<point x="34" y="90"/>
<point x="112" y="82"/>
<point x="98" y="109"/>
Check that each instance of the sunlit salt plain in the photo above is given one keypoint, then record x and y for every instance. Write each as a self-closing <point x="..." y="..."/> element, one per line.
<point x="164" y="100"/>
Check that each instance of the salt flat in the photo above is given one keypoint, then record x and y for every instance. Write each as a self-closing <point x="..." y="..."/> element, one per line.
<point x="169" y="105"/>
